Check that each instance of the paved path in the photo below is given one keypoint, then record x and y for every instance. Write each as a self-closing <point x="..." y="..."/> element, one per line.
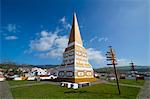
<point x="5" y="91"/>
<point x="145" y="91"/>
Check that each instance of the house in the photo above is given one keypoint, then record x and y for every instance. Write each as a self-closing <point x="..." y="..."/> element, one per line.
<point x="39" y="71"/>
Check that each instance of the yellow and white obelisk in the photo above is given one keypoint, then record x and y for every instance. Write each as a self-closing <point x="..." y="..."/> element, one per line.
<point x="75" y="66"/>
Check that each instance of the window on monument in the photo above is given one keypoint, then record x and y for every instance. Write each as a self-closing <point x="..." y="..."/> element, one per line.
<point x="64" y="55"/>
<point x="72" y="57"/>
<point x="77" y="53"/>
<point x="72" y="61"/>
<point x="83" y="62"/>
<point x="80" y="73"/>
<point x="89" y="73"/>
<point x="79" y="61"/>
<point x="71" y="53"/>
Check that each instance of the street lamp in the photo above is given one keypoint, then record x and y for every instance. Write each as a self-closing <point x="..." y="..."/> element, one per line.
<point x="112" y="58"/>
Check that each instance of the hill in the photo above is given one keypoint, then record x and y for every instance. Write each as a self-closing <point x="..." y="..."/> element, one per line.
<point x="124" y="69"/>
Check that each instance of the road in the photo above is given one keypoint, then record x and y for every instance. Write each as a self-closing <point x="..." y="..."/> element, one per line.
<point x="5" y="91"/>
<point x="145" y="91"/>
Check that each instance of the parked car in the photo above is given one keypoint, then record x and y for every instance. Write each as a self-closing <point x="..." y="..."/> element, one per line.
<point x="17" y="78"/>
<point x="31" y="78"/>
<point x="47" y="77"/>
<point x="53" y="77"/>
<point x="112" y="78"/>
<point x="2" y="78"/>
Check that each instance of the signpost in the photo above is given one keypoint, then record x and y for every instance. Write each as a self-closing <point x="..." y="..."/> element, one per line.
<point x="112" y="58"/>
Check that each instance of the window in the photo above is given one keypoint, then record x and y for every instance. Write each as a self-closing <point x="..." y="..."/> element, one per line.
<point x="61" y="73"/>
<point x="89" y="73"/>
<point x="80" y="74"/>
<point x="69" y="73"/>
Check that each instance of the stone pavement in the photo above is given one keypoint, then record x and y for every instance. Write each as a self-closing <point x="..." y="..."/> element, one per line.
<point x="145" y="91"/>
<point x="5" y="92"/>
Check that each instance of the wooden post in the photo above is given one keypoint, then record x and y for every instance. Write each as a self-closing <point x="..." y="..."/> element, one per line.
<point x="111" y="57"/>
<point x="117" y="79"/>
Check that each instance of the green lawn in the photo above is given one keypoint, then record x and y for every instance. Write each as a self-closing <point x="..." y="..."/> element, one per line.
<point x="131" y="82"/>
<point x="21" y="82"/>
<point x="48" y="91"/>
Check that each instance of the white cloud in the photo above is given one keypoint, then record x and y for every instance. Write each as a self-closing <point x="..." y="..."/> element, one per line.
<point x="44" y="33"/>
<point x="123" y="62"/>
<point x="44" y="42"/>
<point x="63" y="20"/>
<point x="57" y="30"/>
<point x="60" y="45"/>
<point x="7" y="31"/>
<point x="57" y="52"/>
<point x="11" y="28"/>
<point x="50" y="44"/>
<point x="11" y="37"/>
<point x="96" y="56"/>
<point x="93" y="39"/>
<point x="61" y="41"/>
<point x="65" y="24"/>
<point x="105" y="39"/>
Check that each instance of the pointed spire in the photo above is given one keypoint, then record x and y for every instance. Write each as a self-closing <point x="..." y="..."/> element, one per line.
<point x="75" y="32"/>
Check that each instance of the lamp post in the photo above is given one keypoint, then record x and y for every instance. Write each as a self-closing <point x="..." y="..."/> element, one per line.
<point x="112" y="58"/>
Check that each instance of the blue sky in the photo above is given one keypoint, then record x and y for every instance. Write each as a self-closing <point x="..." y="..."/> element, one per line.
<point x="36" y="31"/>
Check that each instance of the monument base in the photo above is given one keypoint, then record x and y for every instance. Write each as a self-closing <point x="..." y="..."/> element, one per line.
<point x="77" y="80"/>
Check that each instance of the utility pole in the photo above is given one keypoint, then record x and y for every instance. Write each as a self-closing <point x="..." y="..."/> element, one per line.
<point x="132" y="66"/>
<point x="133" y="70"/>
<point x="112" y="58"/>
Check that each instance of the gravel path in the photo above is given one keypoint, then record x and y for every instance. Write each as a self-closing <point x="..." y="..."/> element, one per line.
<point x="5" y="91"/>
<point x="145" y="91"/>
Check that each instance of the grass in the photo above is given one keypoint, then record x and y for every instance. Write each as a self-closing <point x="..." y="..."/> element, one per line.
<point x="130" y="82"/>
<point x="13" y="83"/>
<point x="99" y="91"/>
